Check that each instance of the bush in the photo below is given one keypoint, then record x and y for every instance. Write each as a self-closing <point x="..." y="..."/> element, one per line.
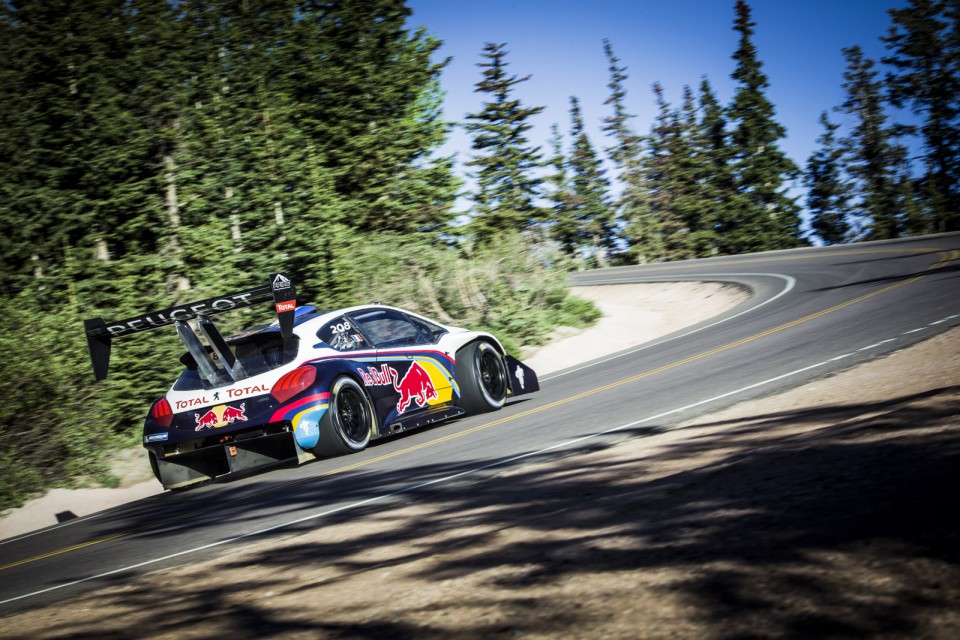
<point x="515" y="291"/>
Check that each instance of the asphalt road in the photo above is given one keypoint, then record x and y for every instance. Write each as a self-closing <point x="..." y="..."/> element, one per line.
<point x="812" y="312"/>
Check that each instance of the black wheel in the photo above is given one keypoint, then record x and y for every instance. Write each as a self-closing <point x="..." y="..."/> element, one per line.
<point x="482" y="377"/>
<point x="348" y="422"/>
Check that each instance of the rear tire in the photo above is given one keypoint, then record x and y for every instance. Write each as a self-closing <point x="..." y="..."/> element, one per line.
<point x="347" y="424"/>
<point x="482" y="377"/>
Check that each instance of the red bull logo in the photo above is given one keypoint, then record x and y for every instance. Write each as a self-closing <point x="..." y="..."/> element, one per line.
<point x="416" y="385"/>
<point x="209" y="419"/>
<point x="221" y="416"/>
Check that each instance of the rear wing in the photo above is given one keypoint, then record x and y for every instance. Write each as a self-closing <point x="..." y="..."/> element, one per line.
<point x="280" y="290"/>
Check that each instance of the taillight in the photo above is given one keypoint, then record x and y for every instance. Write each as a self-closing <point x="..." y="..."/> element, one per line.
<point x="161" y="413"/>
<point x="293" y="383"/>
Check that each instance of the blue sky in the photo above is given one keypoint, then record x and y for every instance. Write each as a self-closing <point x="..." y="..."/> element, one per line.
<point x="676" y="42"/>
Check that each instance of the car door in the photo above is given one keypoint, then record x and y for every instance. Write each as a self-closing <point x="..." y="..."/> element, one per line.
<point x="412" y="374"/>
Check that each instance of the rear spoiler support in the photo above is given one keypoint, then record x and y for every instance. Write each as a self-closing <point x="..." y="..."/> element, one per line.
<point x="280" y="290"/>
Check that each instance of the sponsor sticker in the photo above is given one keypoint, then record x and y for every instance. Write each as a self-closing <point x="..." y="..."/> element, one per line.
<point x="280" y="283"/>
<point x="156" y="437"/>
<point x="220" y="416"/>
<point x="183" y="313"/>
<point x="289" y="305"/>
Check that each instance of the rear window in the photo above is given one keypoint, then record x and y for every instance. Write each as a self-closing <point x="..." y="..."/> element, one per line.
<point x="257" y="354"/>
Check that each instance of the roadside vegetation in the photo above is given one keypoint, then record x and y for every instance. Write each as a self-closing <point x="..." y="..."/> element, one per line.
<point x="153" y="153"/>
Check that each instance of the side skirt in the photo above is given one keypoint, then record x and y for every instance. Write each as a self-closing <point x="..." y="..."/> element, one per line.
<point x="422" y="419"/>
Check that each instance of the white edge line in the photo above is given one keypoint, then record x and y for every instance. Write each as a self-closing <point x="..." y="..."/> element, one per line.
<point x="421" y="485"/>
<point x="791" y="282"/>
<point x="876" y="344"/>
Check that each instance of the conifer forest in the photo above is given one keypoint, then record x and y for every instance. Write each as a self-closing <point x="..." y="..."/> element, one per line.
<point x="156" y="152"/>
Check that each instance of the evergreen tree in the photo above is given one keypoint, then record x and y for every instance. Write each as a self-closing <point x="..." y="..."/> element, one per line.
<point x="369" y="94"/>
<point x="75" y="156"/>
<point x="769" y="218"/>
<point x="665" y="150"/>
<point x="696" y="202"/>
<point x="590" y="207"/>
<point x="720" y="183"/>
<point x="924" y="42"/>
<point x="561" y="225"/>
<point x="828" y="194"/>
<point x="871" y="155"/>
<point x="679" y="172"/>
<point x="505" y="164"/>
<point x="632" y="207"/>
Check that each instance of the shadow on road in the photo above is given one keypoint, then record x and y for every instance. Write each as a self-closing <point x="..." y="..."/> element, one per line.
<point x="759" y="527"/>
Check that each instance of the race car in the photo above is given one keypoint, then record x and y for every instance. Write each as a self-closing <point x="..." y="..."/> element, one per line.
<point x="310" y="384"/>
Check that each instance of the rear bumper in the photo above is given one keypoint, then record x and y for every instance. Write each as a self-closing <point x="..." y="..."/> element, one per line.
<point x="207" y="463"/>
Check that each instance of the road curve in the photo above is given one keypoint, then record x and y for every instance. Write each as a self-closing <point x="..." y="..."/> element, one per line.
<point x="812" y="312"/>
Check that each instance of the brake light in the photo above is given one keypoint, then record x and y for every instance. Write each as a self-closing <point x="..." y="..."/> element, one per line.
<point x="293" y="383"/>
<point x="161" y="413"/>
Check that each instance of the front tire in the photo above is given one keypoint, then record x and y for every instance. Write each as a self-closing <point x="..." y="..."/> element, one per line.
<point x="482" y="377"/>
<point x="347" y="424"/>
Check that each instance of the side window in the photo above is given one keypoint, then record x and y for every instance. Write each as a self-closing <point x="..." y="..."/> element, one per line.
<point x="428" y="332"/>
<point x="342" y="335"/>
<point x="388" y="328"/>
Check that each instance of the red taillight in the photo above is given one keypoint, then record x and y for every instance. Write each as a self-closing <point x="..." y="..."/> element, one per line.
<point x="293" y="383"/>
<point x="161" y="413"/>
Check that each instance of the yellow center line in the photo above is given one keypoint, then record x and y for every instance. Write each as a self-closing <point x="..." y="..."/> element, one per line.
<point x="944" y="256"/>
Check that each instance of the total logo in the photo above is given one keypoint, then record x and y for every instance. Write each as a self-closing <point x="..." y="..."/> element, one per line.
<point x="416" y="385"/>
<point x="220" y="416"/>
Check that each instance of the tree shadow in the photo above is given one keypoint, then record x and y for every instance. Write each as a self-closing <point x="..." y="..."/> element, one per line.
<point x="755" y="527"/>
<point x="952" y="268"/>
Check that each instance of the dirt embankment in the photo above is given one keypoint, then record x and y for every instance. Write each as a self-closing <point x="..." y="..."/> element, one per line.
<point x="827" y="511"/>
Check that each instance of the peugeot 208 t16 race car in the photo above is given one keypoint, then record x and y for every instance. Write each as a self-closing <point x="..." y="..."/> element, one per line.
<point x="310" y="384"/>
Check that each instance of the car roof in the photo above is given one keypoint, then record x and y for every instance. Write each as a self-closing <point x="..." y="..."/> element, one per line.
<point x="308" y="316"/>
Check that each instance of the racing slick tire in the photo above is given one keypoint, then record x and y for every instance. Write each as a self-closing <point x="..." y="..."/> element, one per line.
<point x="482" y="377"/>
<point x="347" y="424"/>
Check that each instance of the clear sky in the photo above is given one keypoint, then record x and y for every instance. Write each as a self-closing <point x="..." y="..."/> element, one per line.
<point x="676" y="42"/>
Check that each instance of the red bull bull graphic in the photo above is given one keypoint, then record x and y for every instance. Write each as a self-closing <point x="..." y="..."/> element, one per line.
<point x="220" y="416"/>
<point x="416" y="385"/>
<point x="209" y="419"/>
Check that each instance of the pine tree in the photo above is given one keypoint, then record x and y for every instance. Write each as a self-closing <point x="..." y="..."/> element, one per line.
<point x="720" y="182"/>
<point x="560" y="225"/>
<point x="368" y="98"/>
<point x="665" y="153"/>
<point x="75" y="155"/>
<point x="871" y="155"/>
<point x="828" y="194"/>
<point x="591" y="205"/>
<point x="375" y="92"/>
<point x="924" y="41"/>
<point x="697" y="200"/>
<point x="505" y="164"/>
<point x="770" y="218"/>
<point x="632" y="206"/>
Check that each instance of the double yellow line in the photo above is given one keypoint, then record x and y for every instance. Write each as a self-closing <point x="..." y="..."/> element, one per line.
<point x="944" y="258"/>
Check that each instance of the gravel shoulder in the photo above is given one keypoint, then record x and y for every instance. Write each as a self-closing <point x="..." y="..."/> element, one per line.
<point x="826" y="511"/>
